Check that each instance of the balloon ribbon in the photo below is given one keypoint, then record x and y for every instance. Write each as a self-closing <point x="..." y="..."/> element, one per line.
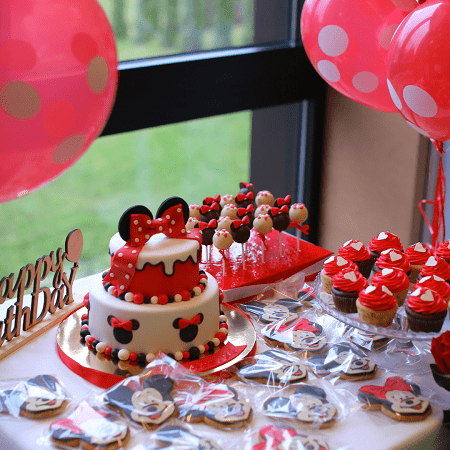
<point x="437" y="230"/>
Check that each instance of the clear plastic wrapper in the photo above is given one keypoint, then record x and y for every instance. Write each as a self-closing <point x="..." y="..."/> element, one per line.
<point x="182" y="436"/>
<point x="315" y="404"/>
<point x="39" y="397"/>
<point x="147" y="399"/>
<point x="282" y="436"/>
<point x="397" y="397"/>
<point x="217" y="405"/>
<point x="345" y="361"/>
<point x="273" y="367"/>
<point x="88" y="426"/>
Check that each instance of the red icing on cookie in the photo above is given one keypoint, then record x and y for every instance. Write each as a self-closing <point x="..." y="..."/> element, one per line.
<point x="424" y="301"/>
<point x="436" y="266"/>
<point x="393" y="258"/>
<point x="417" y="253"/>
<point x="354" y="250"/>
<point x="436" y="284"/>
<point x="394" y="279"/>
<point x="349" y="280"/>
<point x="385" y="241"/>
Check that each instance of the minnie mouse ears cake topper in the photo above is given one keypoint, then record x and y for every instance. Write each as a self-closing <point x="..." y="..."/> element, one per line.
<point x="136" y="226"/>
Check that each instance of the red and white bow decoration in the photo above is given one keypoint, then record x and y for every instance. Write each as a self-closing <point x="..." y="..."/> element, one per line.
<point x="211" y="224"/>
<point x="241" y="197"/>
<point x="237" y="222"/>
<point x="303" y="228"/>
<point x="207" y="208"/>
<point x="242" y="211"/>
<point x="142" y="228"/>
<point x="210" y="200"/>
<point x="284" y="209"/>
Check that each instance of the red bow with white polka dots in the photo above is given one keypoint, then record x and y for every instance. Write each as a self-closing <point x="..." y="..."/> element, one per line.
<point x="142" y="228"/>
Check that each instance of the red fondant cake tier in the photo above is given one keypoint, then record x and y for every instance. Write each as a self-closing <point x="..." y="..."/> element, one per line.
<point x="164" y="266"/>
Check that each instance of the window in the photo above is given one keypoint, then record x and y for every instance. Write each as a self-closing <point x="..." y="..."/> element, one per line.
<point x="263" y="85"/>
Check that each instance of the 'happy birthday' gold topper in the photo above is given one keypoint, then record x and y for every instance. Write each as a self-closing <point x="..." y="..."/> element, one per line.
<point x="23" y="317"/>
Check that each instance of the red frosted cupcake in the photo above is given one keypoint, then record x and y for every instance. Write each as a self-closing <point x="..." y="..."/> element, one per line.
<point x="426" y="310"/>
<point x="436" y="266"/>
<point x="376" y="305"/>
<point x="436" y="284"/>
<point x="384" y="241"/>
<point x="357" y="252"/>
<point x="443" y="251"/>
<point x="392" y="259"/>
<point x="345" y="289"/>
<point x="331" y="267"/>
<point x="418" y="255"/>
<point x="395" y="280"/>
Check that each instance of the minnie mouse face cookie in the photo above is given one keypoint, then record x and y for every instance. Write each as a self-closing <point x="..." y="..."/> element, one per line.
<point x="149" y="405"/>
<point x="37" y="398"/>
<point x="217" y="405"/>
<point x="274" y="367"/>
<point x="283" y="310"/>
<point x="90" y="428"/>
<point x="277" y="438"/>
<point x="397" y="398"/>
<point x="345" y="361"/>
<point x="179" y="437"/>
<point x="308" y="405"/>
<point x="301" y="336"/>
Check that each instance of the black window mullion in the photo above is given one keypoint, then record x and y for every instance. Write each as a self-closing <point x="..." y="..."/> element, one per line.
<point x="168" y="90"/>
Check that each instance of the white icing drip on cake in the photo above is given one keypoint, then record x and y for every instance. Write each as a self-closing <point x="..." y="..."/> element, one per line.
<point x="161" y="249"/>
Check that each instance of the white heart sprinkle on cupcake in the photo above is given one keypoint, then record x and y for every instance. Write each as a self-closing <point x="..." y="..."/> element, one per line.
<point x="350" y="276"/>
<point x="431" y="261"/>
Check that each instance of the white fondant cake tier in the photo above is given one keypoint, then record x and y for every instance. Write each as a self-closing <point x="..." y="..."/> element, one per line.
<point x="174" y="327"/>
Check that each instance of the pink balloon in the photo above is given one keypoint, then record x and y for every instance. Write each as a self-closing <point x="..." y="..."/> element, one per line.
<point x="58" y="80"/>
<point x="418" y="69"/>
<point x="347" y="42"/>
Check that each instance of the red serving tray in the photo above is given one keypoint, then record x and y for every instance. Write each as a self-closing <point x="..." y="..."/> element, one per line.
<point x="239" y="282"/>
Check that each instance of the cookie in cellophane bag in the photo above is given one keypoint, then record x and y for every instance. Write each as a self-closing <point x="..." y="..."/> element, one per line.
<point x="315" y="404"/>
<point x="183" y="436"/>
<point x="38" y="397"/>
<point x="273" y="367"/>
<point x="90" y="427"/>
<point x="215" y="404"/>
<point x="345" y="361"/>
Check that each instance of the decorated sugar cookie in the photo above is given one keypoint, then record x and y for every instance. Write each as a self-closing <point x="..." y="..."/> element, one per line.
<point x="283" y="310"/>
<point x="302" y="335"/>
<point x="397" y="398"/>
<point x="90" y="428"/>
<point x="217" y="405"/>
<point x="180" y="437"/>
<point x="308" y="405"/>
<point x="36" y="398"/>
<point x="150" y="405"/>
<point x="278" y="438"/>
<point x="274" y="367"/>
<point x="345" y="361"/>
<point x="368" y="340"/>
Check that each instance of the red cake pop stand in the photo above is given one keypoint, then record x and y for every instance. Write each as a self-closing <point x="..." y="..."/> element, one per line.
<point x="98" y="370"/>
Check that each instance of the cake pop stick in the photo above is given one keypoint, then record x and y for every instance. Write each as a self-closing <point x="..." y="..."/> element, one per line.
<point x="222" y="240"/>
<point x="263" y="225"/>
<point x="298" y="214"/>
<point x="280" y="218"/>
<point x="240" y="231"/>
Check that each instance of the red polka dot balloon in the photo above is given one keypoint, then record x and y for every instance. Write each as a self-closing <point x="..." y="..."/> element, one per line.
<point x="58" y="80"/>
<point x="418" y="69"/>
<point x="347" y="43"/>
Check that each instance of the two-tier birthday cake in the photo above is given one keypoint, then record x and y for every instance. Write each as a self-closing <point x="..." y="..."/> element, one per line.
<point x="154" y="297"/>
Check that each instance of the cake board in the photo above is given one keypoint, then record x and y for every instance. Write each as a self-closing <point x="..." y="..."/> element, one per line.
<point x="104" y="373"/>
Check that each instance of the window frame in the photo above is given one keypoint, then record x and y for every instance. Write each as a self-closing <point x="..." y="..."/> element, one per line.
<point x="276" y="81"/>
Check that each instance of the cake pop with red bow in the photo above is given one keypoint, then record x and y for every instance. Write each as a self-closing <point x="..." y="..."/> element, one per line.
<point x="240" y="231"/>
<point x="298" y="214"/>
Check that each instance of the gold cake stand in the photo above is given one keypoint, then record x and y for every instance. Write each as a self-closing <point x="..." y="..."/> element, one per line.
<point x="104" y="372"/>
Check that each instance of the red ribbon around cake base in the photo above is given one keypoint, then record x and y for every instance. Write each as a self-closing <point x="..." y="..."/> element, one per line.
<point x="437" y="229"/>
